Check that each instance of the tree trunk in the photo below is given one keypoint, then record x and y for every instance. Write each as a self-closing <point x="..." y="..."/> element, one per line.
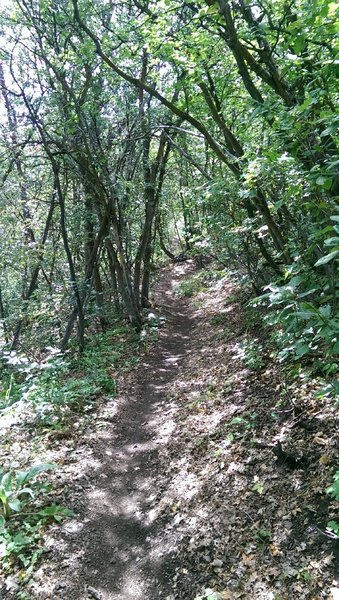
<point x="3" y="317"/>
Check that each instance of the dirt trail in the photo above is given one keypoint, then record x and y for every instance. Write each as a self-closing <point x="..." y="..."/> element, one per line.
<point x="116" y="546"/>
<point x="175" y="486"/>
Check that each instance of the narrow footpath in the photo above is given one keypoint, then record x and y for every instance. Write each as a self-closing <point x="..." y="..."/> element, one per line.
<point x="178" y="490"/>
<point x="116" y="548"/>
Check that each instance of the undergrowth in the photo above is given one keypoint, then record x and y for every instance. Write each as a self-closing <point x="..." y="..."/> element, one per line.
<point x="283" y="326"/>
<point x="24" y="512"/>
<point x="58" y="386"/>
<point x="51" y="393"/>
<point x="193" y="284"/>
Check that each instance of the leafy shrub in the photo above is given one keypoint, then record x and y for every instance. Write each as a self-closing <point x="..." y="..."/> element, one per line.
<point x="56" y="387"/>
<point x="262" y="536"/>
<point x="192" y="285"/>
<point x="21" y="520"/>
<point x="305" y="323"/>
<point x="220" y="319"/>
<point x="333" y="491"/>
<point x="14" y="487"/>
<point x="187" y="289"/>
<point x="250" y="351"/>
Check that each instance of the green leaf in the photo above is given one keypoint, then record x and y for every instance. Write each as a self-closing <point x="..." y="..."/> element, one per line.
<point x="56" y="511"/>
<point x="325" y="259"/>
<point x="333" y="526"/>
<point x="237" y="420"/>
<point x="299" y="43"/>
<point x="15" y="505"/>
<point x="309" y="306"/>
<point x="26" y="491"/>
<point x="325" y="310"/>
<point x="6" y="481"/>
<point x="303" y="314"/>
<point x="333" y="490"/>
<point x="325" y="182"/>
<point x="24" y="476"/>
<point x="308" y="293"/>
<point x="306" y="103"/>
<point x="328" y="183"/>
<point x="258" y="487"/>
<point x="301" y="349"/>
<point x="3" y="495"/>
<point x="324" y="10"/>
<point x="212" y="10"/>
<point x="332" y="241"/>
<point x="320" y="232"/>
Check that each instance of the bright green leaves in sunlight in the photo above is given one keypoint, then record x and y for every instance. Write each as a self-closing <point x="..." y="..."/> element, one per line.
<point x="333" y="490"/>
<point x="12" y="487"/>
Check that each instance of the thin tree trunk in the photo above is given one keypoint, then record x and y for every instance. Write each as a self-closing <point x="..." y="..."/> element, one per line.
<point x="99" y="293"/>
<point x="124" y="287"/>
<point x="74" y="282"/>
<point x="3" y="317"/>
<point x="91" y="263"/>
<point x="159" y="230"/>
<point x="34" y="278"/>
<point x="114" y="283"/>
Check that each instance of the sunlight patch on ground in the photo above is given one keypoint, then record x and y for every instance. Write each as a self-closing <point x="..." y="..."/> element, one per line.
<point x="132" y="588"/>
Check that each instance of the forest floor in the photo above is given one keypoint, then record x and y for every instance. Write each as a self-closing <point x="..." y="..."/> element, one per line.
<point x="179" y="487"/>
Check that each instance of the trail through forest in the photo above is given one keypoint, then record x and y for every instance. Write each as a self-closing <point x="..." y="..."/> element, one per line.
<point x="117" y="548"/>
<point x="176" y="483"/>
<point x="181" y="447"/>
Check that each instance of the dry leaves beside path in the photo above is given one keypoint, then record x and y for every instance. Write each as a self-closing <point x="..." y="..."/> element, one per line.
<point x="249" y="524"/>
<point x="176" y="490"/>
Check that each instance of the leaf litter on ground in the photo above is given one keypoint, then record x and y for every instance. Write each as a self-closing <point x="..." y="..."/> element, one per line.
<point x="243" y="523"/>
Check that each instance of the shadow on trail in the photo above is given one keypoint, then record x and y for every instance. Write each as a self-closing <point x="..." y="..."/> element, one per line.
<point x="126" y="554"/>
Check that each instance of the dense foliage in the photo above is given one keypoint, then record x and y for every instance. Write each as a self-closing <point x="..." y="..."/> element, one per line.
<point x="136" y="130"/>
<point x="132" y="129"/>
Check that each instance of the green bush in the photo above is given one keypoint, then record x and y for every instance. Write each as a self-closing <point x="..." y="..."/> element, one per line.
<point x="21" y="519"/>
<point x="333" y="491"/>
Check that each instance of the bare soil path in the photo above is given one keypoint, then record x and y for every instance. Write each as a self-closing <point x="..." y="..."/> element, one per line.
<point x="176" y="490"/>
<point x="116" y="548"/>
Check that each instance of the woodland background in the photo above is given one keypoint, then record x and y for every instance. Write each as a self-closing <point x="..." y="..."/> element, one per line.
<point x="135" y="132"/>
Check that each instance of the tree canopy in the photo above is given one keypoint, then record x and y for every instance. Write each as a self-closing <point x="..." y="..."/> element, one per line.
<point x="134" y="128"/>
<point x="134" y="133"/>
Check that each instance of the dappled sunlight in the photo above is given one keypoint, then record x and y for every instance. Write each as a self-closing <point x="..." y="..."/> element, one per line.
<point x="171" y="490"/>
<point x="13" y="415"/>
<point x="211" y="452"/>
<point x="120" y="525"/>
